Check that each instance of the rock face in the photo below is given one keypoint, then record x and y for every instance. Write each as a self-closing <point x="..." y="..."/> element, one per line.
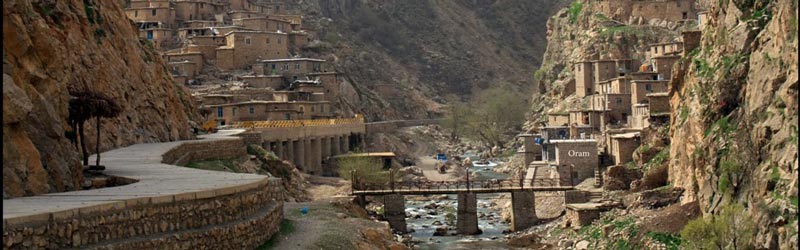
<point x="734" y="116"/>
<point x="50" y="47"/>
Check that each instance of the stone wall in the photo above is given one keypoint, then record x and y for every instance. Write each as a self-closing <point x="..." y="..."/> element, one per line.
<point x="204" y="150"/>
<point x="242" y="216"/>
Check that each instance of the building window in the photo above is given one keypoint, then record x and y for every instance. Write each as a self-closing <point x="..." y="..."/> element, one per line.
<point x="619" y="100"/>
<point x="685" y="15"/>
<point x="285" y="66"/>
<point x="202" y="5"/>
<point x="219" y="111"/>
<point x="135" y="13"/>
<point x="279" y="40"/>
<point x="312" y="108"/>
<point x="247" y="41"/>
<point x="297" y="66"/>
<point x="252" y="110"/>
<point x="154" y="12"/>
<point x="267" y="40"/>
<point x="273" y="66"/>
<point x="648" y="88"/>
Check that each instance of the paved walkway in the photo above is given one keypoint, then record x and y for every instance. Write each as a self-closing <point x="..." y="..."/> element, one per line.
<point x="141" y="162"/>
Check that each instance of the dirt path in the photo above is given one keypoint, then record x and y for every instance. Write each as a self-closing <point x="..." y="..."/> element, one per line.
<point x="424" y="153"/>
<point x="307" y="229"/>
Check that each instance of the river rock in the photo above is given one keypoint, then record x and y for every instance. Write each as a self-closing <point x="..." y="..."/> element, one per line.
<point x="582" y="245"/>
<point x="440" y="231"/>
<point x="437" y="223"/>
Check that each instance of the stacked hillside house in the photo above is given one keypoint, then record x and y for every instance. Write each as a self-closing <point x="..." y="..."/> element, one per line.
<point x="618" y="97"/>
<point x="258" y="36"/>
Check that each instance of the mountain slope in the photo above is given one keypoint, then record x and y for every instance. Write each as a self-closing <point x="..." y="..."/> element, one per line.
<point x="404" y="56"/>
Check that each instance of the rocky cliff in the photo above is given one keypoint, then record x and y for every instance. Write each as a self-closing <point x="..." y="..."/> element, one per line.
<point x="734" y="117"/>
<point x="400" y="58"/>
<point x="50" y="47"/>
<point x="733" y="129"/>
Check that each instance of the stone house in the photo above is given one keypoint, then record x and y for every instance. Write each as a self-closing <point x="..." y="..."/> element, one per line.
<point x="275" y="82"/>
<point x="530" y="151"/>
<point x="664" y="49"/>
<point x="659" y="103"/>
<point x="663" y="65"/>
<point x="269" y="110"/>
<point x="621" y="147"/>
<point x="588" y="117"/>
<point x="580" y="154"/>
<point x="329" y="81"/>
<point x="558" y="119"/>
<point x="195" y="58"/>
<point x="293" y="68"/>
<point x="187" y="10"/>
<point x="640" y="117"/>
<point x="155" y="15"/>
<point x="186" y="70"/>
<point x="584" y="79"/>
<point x="640" y="89"/>
<point x="244" y="48"/>
<point x="206" y="45"/>
<point x="616" y="107"/>
<point x="239" y="14"/>
<point x="264" y="23"/>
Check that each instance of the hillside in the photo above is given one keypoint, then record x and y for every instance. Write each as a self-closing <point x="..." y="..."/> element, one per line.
<point x="732" y="133"/>
<point x="734" y="117"/>
<point x="402" y="57"/>
<point x="51" y="47"/>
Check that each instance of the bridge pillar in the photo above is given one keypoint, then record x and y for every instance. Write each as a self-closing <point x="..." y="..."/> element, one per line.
<point x="395" y="212"/>
<point x="326" y="147"/>
<point x="345" y="143"/>
<point x="300" y="155"/>
<point x="290" y="150"/>
<point x="467" y="214"/>
<point x="316" y="154"/>
<point x="335" y="143"/>
<point x="309" y="159"/>
<point x="523" y="210"/>
<point x="279" y="149"/>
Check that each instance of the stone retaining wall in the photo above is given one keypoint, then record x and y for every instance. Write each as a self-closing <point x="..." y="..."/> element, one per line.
<point x="389" y="126"/>
<point x="239" y="216"/>
<point x="158" y="220"/>
<point x="204" y="150"/>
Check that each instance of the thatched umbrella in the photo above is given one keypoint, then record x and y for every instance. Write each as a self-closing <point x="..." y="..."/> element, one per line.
<point x="84" y="105"/>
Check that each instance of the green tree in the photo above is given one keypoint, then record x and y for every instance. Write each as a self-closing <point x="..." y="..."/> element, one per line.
<point x="457" y="116"/>
<point x="498" y="112"/>
<point x="731" y="229"/>
<point x="368" y="169"/>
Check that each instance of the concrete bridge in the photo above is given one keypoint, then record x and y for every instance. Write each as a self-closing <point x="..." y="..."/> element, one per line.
<point x="522" y="198"/>
<point x="309" y="144"/>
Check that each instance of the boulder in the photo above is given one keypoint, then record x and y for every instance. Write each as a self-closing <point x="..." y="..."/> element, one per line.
<point x="582" y="245"/>
<point x="440" y="231"/>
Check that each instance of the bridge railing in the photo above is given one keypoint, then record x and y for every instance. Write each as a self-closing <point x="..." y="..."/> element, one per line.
<point x="454" y="185"/>
<point x="296" y="123"/>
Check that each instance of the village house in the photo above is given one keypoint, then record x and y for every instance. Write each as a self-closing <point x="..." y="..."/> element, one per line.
<point x="270" y="111"/>
<point x="640" y="117"/>
<point x="293" y="68"/>
<point x="588" y="74"/>
<point x="195" y="58"/>
<point x="659" y="108"/>
<point x="663" y="65"/>
<point x="622" y="145"/>
<point x="640" y="89"/>
<point x="183" y="71"/>
<point x="244" y="48"/>
<point x="264" y="23"/>
<point x="188" y="10"/>
<point x="558" y="119"/>
<point x="579" y="154"/>
<point x="588" y="117"/>
<point x="664" y="49"/>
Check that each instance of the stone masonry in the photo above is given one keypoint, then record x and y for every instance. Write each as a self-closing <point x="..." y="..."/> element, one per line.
<point x="467" y="217"/>
<point x="169" y="207"/>
<point x="395" y="212"/>
<point x="523" y="207"/>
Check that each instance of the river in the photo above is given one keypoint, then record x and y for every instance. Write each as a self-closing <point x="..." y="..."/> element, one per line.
<point x="425" y="214"/>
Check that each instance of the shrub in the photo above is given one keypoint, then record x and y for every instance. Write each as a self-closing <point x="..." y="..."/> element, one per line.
<point x="732" y="228"/>
<point x="368" y="170"/>
<point x="575" y="10"/>
<point x="671" y="241"/>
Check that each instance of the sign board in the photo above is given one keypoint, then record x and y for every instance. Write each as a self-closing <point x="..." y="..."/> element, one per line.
<point x="441" y="157"/>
